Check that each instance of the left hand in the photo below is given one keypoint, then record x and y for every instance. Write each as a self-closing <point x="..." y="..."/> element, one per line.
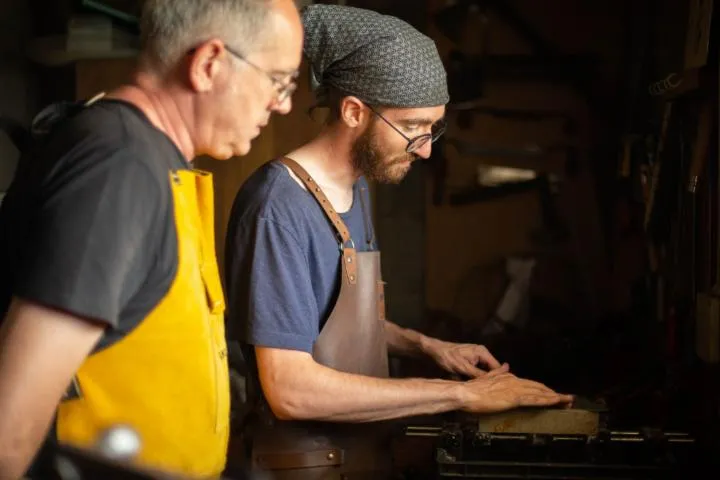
<point x="461" y="358"/>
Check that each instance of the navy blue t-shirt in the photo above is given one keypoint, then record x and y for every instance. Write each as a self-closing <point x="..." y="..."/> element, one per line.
<point x="282" y="269"/>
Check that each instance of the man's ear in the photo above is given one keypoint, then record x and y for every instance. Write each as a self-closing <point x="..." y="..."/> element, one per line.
<point x="205" y="64"/>
<point x="353" y="111"/>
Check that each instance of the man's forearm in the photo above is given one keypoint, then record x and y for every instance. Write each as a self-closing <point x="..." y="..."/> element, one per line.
<point x="404" y="341"/>
<point x="298" y="388"/>
<point x="15" y="461"/>
<point x="315" y="392"/>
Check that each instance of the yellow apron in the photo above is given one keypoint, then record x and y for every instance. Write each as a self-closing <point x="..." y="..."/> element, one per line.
<point x="168" y="378"/>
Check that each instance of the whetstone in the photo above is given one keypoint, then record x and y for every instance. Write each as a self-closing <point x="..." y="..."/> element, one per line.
<point x="556" y="421"/>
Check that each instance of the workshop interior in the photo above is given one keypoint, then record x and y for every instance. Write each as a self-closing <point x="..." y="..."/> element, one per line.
<point x="568" y="219"/>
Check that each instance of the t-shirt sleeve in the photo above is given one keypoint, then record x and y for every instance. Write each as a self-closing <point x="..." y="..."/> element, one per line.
<point x="90" y="243"/>
<point x="272" y="289"/>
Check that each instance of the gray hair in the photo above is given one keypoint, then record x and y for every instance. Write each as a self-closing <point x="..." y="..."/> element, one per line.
<point x="169" y="28"/>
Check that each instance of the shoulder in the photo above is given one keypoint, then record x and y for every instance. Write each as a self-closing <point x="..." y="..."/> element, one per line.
<point x="104" y="123"/>
<point x="272" y="194"/>
<point x="108" y="143"/>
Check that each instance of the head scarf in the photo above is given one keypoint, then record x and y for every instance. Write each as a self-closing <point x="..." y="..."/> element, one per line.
<point x="378" y="58"/>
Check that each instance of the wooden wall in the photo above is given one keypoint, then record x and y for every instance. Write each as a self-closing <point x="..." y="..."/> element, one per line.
<point x="460" y="238"/>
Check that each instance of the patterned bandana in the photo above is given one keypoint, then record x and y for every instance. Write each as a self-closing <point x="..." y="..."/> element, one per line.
<point x="380" y="59"/>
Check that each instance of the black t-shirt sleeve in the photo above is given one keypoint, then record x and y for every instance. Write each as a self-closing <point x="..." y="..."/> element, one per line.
<point x="92" y="240"/>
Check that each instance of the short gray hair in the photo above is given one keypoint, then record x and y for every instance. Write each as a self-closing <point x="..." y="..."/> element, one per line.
<point x="169" y="28"/>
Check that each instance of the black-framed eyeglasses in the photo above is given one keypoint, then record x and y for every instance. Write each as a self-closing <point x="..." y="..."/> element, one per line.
<point x="284" y="88"/>
<point x="416" y="143"/>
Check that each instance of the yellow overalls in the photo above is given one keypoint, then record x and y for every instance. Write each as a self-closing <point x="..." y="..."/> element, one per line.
<point x="168" y="378"/>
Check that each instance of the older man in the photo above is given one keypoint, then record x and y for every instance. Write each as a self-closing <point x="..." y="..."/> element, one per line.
<point x="109" y="288"/>
<point x="306" y="296"/>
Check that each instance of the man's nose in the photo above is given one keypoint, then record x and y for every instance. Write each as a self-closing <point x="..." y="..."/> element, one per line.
<point x="284" y="107"/>
<point x="424" y="151"/>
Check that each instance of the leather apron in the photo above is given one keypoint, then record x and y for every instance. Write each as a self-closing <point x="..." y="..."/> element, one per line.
<point x="353" y="341"/>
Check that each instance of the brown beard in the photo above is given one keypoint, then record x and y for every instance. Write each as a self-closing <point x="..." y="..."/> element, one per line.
<point x="369" y="158"/>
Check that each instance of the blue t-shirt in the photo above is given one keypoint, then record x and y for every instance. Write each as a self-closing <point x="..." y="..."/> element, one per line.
<point x="282" y="268"/>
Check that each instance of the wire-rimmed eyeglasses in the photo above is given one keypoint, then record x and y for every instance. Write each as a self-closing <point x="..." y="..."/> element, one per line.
<point x="284" y="88"/>
<point x="416" y="143"/>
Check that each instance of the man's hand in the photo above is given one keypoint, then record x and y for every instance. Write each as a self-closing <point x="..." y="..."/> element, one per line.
<point x="499" y="391"/>
<point x="460" y="358"/>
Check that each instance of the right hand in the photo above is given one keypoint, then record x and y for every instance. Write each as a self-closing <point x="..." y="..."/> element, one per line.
<point x="500" y="390"/>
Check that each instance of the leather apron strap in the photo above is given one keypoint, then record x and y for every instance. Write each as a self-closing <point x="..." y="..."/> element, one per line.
<point x="319" y="195"/>
<point x="349" y="252"/>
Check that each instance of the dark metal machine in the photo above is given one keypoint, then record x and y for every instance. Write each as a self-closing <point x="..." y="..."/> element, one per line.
<point x="468" y="453"/>
<point x="554" y="444"/>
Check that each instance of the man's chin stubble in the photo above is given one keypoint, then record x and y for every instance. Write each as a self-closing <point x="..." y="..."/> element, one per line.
<point x="392" y="174"/>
